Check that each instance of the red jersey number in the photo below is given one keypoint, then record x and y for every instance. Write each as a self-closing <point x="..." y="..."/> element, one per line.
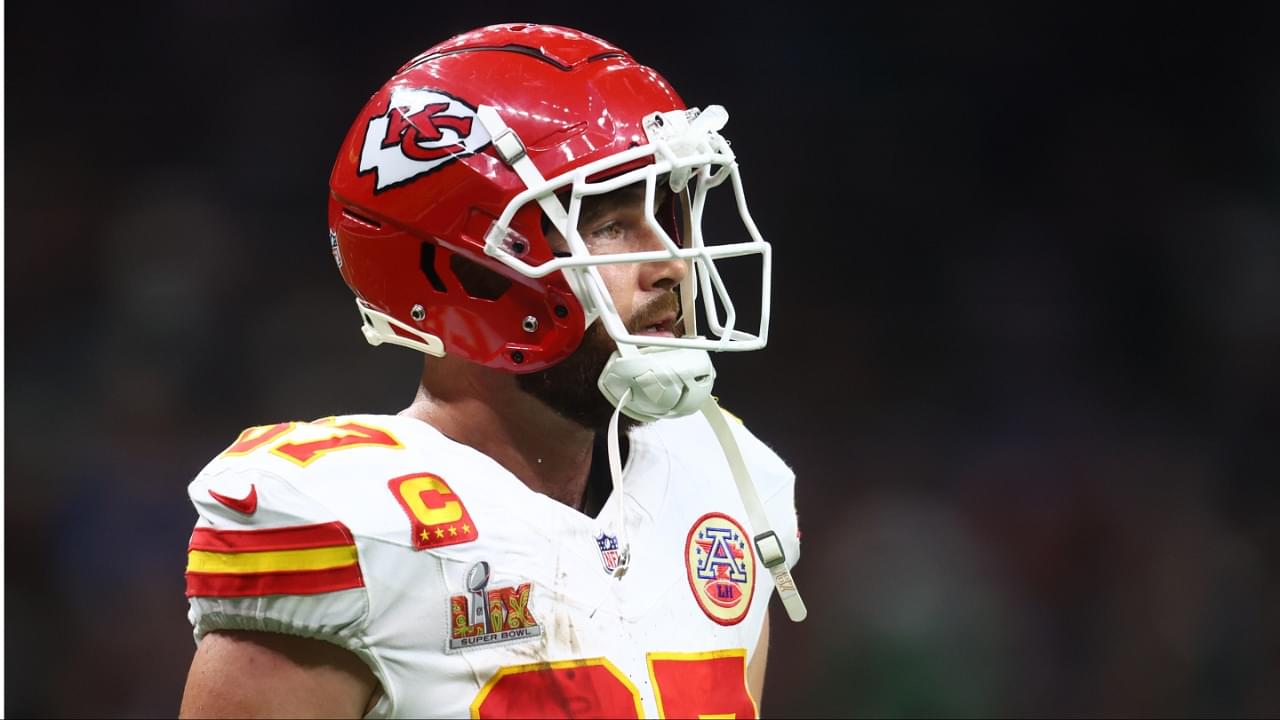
<point x="709" y="684"/>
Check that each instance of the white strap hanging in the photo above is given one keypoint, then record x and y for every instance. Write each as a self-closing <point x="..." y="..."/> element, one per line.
<point x="766" y="540"/>
<point x="615" y="469"/>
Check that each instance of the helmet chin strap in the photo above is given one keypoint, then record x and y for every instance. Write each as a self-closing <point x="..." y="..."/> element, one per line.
<point x="652" y="383"/>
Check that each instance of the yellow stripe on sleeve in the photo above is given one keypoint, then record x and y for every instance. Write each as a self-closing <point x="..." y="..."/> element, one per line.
<point x="203" y="561"/>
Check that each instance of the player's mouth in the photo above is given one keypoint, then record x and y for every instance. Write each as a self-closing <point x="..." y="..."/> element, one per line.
<point x="664" y="327"/>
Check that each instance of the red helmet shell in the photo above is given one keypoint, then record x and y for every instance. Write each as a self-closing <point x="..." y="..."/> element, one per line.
<point x="417" y="183"/>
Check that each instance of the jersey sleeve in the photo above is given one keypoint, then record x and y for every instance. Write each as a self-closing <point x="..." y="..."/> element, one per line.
<point x="265" y="556"/>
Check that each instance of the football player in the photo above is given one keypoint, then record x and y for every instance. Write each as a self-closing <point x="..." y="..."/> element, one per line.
<point x="563" y="523"/>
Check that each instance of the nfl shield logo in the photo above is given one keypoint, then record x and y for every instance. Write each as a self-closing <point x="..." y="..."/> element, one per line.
<point x="609" y="555"/>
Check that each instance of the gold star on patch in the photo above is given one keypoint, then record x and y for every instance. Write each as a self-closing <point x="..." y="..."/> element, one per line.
<point x="466" y="529"/>
<point x="425" y="535"/>
<point x="440" y="533"/>
<point x="453" y="531"/>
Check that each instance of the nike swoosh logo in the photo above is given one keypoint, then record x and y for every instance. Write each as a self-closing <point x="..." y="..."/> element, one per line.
<point x="247" y="505"/>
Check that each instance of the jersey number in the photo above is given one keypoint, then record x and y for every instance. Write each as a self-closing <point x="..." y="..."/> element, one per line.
<point x="685" y="685"/>
<point x="348" y="434"/>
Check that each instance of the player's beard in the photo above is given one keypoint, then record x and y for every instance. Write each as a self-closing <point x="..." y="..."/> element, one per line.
<point x="570" y="387"/>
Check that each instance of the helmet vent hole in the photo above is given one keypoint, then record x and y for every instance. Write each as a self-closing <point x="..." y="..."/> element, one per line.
<point x="358" y="218"/>
<point x="477" y="280"/>
<point x="428" y="261"/>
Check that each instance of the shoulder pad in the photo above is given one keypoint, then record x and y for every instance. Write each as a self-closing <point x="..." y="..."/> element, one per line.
<point x="291" y="446"/>
<point x="265" y="556"/>
<point x="258" y="536"/>
<point x="387" y="478"/>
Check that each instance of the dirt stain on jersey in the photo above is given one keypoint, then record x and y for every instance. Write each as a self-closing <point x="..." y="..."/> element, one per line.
<point x="566" y="634"/>
<point x="533" y="652"/>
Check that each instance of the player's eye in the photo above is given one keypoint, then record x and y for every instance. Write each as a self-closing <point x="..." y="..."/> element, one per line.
<point x="611" y="230"/>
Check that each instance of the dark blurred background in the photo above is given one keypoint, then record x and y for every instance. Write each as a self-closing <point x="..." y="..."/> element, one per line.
<point x="1024" y="352"/>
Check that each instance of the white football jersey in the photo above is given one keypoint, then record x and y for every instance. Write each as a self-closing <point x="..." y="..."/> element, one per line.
<point x="468" y="594"/>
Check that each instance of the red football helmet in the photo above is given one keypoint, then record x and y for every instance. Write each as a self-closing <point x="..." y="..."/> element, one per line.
<point x="440" y="192"/>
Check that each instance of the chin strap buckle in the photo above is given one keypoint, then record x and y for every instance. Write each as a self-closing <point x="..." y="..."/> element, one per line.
<point x="770" y="549"/>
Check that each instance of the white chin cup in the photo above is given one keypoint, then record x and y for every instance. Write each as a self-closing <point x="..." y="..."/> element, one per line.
<point x="664" y="382"/>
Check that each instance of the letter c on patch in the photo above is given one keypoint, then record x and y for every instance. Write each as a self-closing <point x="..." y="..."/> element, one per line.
<point x="425" y="496"/>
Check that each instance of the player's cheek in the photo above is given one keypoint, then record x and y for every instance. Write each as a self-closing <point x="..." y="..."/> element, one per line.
<point x="622" y="281"/>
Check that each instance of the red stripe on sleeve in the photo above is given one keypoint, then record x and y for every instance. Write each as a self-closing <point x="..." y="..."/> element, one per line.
<point x="300" y="537"/>
<point x="307" y="582"/>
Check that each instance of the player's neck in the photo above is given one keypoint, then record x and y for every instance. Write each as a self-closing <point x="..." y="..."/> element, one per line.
<point x="487" y="411"/>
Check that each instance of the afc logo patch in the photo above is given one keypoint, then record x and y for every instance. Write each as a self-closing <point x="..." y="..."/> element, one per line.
<point x="721" y="566"/>
<point x="420" y="131"/>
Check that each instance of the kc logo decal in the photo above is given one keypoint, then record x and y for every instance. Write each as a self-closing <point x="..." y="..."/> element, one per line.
<point x="721" y="566"/>
<point x="421" y="131"/>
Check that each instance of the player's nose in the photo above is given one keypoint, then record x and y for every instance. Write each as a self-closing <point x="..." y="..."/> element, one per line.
<point x="660" y="274"/>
